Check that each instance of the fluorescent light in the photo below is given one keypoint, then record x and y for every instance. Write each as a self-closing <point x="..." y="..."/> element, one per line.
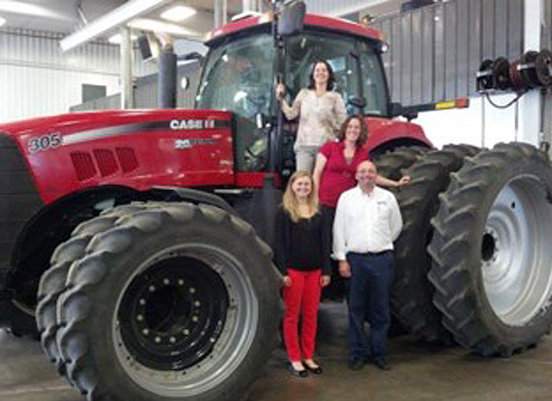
<point x="2" y="21"/>
<point x="178" y="13"/>
<point x="159" y="26"/>
<point x="110" y="21"/>
<point x="116" y="39"/>
<point x="18" y="7"/>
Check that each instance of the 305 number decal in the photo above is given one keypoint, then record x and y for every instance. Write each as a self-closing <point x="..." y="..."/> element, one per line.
<point x="45" y="142"/>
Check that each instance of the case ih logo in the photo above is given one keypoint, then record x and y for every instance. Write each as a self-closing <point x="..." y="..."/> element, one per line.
<point x="192" y="124"/>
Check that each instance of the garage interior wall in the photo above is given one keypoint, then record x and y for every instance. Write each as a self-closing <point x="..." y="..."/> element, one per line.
<point x="453" y="38"/>
<point x="145" y="92"/>
<point x="436" y="50"/>
<point x="38" y="80"/>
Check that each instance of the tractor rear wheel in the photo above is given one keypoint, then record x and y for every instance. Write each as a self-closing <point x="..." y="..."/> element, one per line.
<point x="391" y="164"/>
<point x="175" y="301"/>
<point x="412" y="294"/>
<point x="491" y="250"/>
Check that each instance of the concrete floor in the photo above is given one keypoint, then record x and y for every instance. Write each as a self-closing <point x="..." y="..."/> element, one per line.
<point x="420" y="372"/>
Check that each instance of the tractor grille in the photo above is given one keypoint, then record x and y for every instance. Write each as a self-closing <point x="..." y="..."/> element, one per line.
<point x="19" y="198"/>
<point x="104" y="162"/>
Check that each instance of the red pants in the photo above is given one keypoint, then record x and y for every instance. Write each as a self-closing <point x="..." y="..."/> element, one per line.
<point x="302" y="298"/>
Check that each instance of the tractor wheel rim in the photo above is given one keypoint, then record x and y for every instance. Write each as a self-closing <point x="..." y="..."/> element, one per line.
<point x="515" y="251"/>
<point x="195" y="349"/>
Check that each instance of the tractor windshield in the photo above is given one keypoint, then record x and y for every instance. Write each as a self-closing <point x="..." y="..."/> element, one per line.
<point x="239" y="77"/>
<point x="357" y="68"/>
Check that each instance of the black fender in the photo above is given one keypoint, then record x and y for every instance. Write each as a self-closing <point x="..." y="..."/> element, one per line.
<point x="196" y="196"/>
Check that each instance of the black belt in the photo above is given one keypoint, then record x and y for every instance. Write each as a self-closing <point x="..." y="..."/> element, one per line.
<point x="371" y="253"/>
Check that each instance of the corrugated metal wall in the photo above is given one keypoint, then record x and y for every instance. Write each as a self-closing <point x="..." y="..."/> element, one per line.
<point x="337" y="7"/>
<point x="436" y="51"/>
<point x="36" y="79"/>
<point x="145" y="94"/>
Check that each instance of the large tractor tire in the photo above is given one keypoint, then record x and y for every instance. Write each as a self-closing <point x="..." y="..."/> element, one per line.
<point x="53" y="281"/>
<point x="173" y="302"/>
<point x="412" y="294"/>
<point x="491" y="250"/>
<point x="391" y="164"/>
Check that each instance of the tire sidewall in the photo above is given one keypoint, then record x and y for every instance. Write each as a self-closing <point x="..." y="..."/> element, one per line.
<point x="121" y="268"/>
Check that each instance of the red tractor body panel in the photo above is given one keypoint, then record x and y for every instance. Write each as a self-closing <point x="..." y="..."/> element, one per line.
<point x="137" y="149"/>
<point x="384" y="130"/>
<point x="312" y="20"/>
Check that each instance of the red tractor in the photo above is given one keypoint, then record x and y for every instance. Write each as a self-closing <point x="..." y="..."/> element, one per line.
<point x="125" y="234"/>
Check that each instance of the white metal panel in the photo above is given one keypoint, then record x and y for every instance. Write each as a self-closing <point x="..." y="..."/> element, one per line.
<point x="36" y="79"/>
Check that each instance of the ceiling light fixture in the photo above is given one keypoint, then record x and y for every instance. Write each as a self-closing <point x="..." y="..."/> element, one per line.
<point x="160" y="27"/>
<point x="178" y="13"/>
<point x="110" y="21"/>
<point x="18" y="7"/>
<point x="116" y="39"/>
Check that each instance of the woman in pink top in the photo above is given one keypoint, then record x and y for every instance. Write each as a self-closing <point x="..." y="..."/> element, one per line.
<point x="321" y="113"/>
<point x="334" y="173"/>
<point x="337" y="161"/>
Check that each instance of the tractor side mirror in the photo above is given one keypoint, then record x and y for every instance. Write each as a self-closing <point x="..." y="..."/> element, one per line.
<point x="395" y="109"/>
<point x="292" y="18"/>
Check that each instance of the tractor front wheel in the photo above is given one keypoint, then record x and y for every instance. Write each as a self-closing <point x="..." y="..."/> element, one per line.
<point x="175" y="301"/>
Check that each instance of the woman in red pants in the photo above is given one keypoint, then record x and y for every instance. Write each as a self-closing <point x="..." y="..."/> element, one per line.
<point x="302" y="255"/>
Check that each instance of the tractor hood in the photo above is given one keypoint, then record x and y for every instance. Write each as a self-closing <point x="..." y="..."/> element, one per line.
<point x="79" y="122"/>
<point x="138" y="149"/>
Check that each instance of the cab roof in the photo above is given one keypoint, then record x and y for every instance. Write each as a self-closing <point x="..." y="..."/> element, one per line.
<point x="311" y="20"/>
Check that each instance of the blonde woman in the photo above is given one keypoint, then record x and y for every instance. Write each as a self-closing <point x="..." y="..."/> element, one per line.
<point x="303" y="257"/>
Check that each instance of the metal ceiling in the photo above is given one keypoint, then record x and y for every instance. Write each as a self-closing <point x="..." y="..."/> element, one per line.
<point x="66" y="16"/>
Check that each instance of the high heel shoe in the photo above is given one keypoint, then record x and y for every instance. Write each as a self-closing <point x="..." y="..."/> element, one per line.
<point x="295" y="372"/>
<point x="317" y="370"/>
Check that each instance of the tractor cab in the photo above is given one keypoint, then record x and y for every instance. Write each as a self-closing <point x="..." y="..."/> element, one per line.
<point x="246" y="58"/>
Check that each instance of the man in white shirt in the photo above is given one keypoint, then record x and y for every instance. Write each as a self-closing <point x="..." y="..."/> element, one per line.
<point x="367" y="221"/>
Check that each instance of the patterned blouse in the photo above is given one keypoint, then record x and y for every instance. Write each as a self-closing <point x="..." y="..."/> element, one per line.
<point x="320" y="117"/>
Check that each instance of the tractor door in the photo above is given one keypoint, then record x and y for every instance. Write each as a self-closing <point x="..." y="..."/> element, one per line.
<point x="239" y="77"/>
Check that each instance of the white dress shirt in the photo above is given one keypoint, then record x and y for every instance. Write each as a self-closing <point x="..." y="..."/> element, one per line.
<point x="365" y="222"/>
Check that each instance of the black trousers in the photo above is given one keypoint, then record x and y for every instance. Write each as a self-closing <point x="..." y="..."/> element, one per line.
<point x="368" y="297"/>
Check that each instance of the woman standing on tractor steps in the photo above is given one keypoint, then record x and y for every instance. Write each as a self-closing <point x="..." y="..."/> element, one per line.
<point x="334" y="173"/>
<point x="321" y="113"/>
<point x="303" y="257"/>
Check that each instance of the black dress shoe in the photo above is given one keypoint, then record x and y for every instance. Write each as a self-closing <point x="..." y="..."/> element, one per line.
<point x="383" y="364"/>
<point x="356" y="364"/>
<point x="317" y="370"/>
<point x="295" y="372"/>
